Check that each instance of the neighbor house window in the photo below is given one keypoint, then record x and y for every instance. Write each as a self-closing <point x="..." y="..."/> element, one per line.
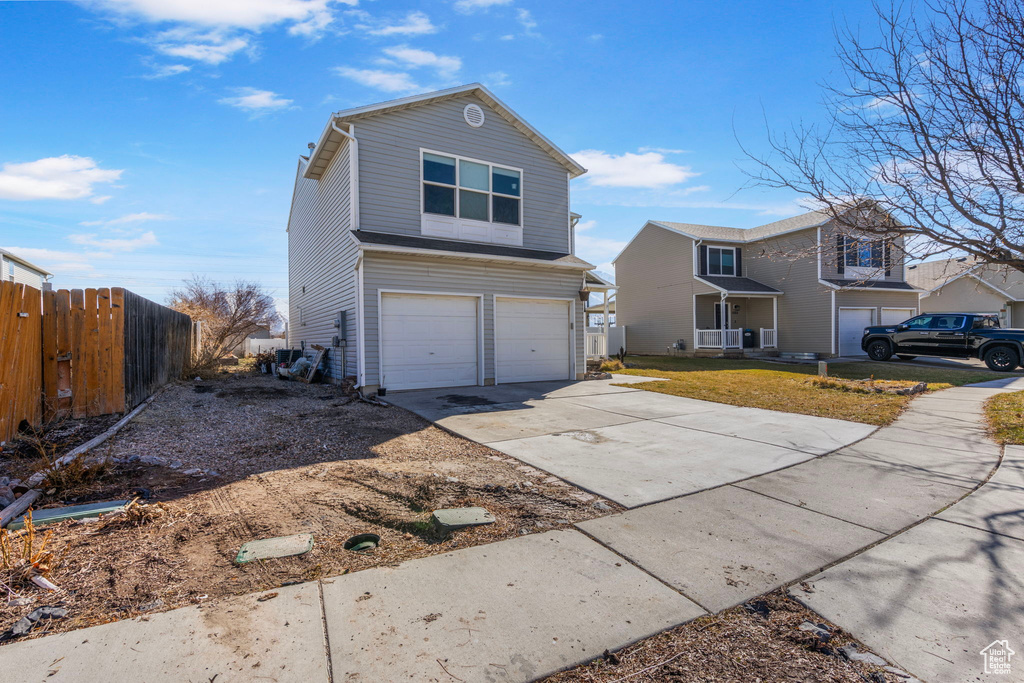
<point x="721" y="261"/>
<point x="475" y="190"/>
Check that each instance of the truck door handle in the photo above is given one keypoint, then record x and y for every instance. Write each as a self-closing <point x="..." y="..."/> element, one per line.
<point x="922" y="333"/>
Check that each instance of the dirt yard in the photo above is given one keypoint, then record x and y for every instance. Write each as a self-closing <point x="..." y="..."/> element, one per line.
<point x="244" y="457"/>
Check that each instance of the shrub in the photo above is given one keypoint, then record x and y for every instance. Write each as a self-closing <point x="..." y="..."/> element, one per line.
<point x="612" y="366"/>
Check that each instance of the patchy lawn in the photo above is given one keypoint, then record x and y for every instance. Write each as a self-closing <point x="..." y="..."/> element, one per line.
<point x="244" y="457"/>
<point x="1005" y="414"/>
<point x="759" y="641"/>
<point x="787" y="388"/>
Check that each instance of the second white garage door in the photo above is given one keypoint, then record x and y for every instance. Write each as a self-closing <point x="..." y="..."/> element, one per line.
<point x="852" y="322"/>
<point x="894" y="316"/>
<point x="532" y="340"/>
<point x="429" y="341"/>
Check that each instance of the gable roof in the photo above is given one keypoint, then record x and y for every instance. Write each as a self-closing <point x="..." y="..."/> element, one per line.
<point x="931" y="275"/>
<point x="811" y="219"/>
<point x="31" y="266"/>
<point x="322" y="153"/>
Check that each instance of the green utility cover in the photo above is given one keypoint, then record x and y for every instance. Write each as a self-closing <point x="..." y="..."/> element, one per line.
<point x="269" y="548"/>
<point x="456" y="518"/>
<point x="53" y="515"/>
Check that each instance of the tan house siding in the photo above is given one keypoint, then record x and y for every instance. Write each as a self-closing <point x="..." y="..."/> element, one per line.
<point x="321" y="263"/>
<point x="656" y="288"/>
<point x="424" y="274"/>
<point x="830" y="261"/>
<point x="866" y="298"/>
<point x="963" y="294"/>
<point x="390" y="174"/>
<point x="789" y="263"/>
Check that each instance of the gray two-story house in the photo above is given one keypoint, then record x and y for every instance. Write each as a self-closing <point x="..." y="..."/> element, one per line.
<point x="430" y="244"/>
<point x="799" y="285"/>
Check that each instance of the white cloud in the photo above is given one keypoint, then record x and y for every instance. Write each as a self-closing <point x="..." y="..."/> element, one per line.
<point x="251" y="99"/>
<point x="247" y="14"/>
<point x="470" y="6"/>
<point x="388" y="81"/>
<point x="497" y="79"/>
<point x="446" y="66"/>
<point x="664" y="150"/>
<point x="166" y="70"/>
<point x="211" y="47"/>
<point x="413" y="24"/>
<point x="61" y="262"/>
<point x="593" y="248"/>
<point x="63" y="177"/>
<point x="146" y="239"/>
<point x="647" y="169"/>
<point x="130" y="218"/>
<point x="527" y="21"/>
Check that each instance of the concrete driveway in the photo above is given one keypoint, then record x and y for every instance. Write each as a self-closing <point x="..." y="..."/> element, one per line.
<point x="628" y="445"/>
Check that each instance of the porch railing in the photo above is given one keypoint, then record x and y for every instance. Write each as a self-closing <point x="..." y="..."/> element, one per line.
<point x="596" y="345"/>
<point x="768" y="338"/>
<point x="718" y="339"/>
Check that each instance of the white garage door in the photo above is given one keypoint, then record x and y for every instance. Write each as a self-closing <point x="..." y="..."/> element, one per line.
<point x="852" y="322"/>
<point x="532" y="340"/>
<point x="428" y="341"/>
<point x="894" y="316"/>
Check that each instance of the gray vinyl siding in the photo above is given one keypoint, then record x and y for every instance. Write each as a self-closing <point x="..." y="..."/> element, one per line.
<point x="789" y="263"/>
<point x="656" y="289"/>
<point x="22" y="274"/>
<point x="1017" y="315"/>
<point x="322" y="258"/>
<point x="390" y="174"/>
<point x="963" y="294"/>
<point x="424" y="274"/>
<point x="830" y="260"/>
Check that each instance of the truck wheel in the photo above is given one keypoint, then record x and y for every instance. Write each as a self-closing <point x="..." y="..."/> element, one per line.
<point x="1001" y="359"/>
<point x="879" y="350"/>
<point x="902" y="356"/>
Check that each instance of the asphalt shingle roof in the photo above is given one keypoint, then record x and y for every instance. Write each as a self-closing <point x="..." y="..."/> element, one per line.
<point x="739" y="284"/>
<point x="411" y="241"/>
<point x="718" y="232"/>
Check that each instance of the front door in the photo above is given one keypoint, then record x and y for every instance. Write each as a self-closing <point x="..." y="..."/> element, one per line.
<point x="721" y="316"/>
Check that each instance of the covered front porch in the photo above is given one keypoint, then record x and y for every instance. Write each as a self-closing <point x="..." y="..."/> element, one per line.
<point x="741" y="322"/>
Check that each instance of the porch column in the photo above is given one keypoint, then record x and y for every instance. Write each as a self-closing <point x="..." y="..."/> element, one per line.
<point x="607" y="351"/>
<point x="723" y="323"/>
<point x="775" y="319"/>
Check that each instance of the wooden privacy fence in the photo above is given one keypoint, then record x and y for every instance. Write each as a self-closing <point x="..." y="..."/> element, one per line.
<point x="82" y="353"/>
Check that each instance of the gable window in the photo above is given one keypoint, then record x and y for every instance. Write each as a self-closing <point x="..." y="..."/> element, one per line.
<point x="721" y="261"/>
<point x="470" y="189"/>
<point x="862" y="252"/>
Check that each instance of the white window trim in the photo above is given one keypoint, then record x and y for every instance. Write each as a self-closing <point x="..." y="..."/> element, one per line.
<point x="489" y="192"/>
<point x="733" y="250"/>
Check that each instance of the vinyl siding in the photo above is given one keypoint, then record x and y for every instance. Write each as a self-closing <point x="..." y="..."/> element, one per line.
<point x="322" y="258"/>
<point x="875" y="301"/>
<point x="22" y="275"/>
<point x="656" y="288"/>
<point x="390" y="176"/>
<point x="424" y="274"/>
<point x="790" y="264"/>
<point x="963" y="294"/>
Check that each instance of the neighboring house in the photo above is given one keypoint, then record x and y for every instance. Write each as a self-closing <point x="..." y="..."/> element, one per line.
<point x="430" y="245"/>
<point x="799" y="284"/>
<point x="13" y="268"/>
<point x="952" y="285"/>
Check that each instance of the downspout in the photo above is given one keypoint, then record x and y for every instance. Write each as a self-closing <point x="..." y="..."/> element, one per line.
<point x="360" y="325"/>
<point x="353" y="173"/>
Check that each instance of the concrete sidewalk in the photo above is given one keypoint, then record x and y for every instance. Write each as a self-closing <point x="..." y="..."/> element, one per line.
<point x="929" y="598"/>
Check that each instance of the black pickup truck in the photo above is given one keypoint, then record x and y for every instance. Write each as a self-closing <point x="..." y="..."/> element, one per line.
<point x="952" y="335"/>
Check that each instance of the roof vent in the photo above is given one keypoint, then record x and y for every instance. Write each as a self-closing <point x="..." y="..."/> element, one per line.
<point x="474" y="115"/>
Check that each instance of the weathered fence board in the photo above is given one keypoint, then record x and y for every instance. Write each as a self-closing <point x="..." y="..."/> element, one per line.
<point x="82" y="353"/>
<point x="21" y="349"/>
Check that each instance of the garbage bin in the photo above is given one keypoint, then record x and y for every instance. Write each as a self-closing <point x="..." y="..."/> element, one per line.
<point x="749" y="340"/>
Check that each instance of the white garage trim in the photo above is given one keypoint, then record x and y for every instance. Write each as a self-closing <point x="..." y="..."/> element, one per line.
<point x="571" y="330"/>
<point x="913" y="311"/>
<point x="479" y="324"/>
<point x="839" y="319"/>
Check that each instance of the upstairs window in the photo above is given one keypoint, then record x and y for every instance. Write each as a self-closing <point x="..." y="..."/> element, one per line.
<point x="721" y="261"/>
<point x="474" y="190"/>
<point x="862" y="252"/>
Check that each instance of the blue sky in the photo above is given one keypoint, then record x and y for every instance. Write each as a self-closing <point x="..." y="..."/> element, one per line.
<point x="142" y="141"/>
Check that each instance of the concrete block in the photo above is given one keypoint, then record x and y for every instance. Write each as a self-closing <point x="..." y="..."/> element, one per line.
<point x="269" y="548"/>
<point x="511" y="611"/>
<point x="457" y="518"/>
<point x="725" y="546"/>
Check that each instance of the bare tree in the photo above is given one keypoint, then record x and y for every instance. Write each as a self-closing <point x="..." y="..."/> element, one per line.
<point x="927" y="127"/>
<point x="227" y="316"/>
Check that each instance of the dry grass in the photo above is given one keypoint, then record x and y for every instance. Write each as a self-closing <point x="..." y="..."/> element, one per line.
<point x="612" y="366"/>
<point x="26" y="554"/>
<point x="1005" y="415"/>
<point x="786" y="388"/>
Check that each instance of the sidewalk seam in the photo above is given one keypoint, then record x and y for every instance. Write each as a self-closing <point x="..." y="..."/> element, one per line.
<point x="327" y="635"/>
